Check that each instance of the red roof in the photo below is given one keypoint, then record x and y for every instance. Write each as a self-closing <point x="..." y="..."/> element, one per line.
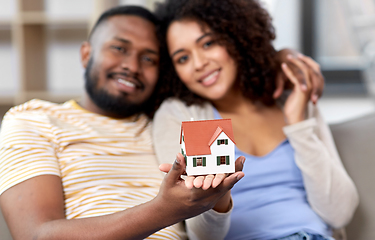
<point x="199" y="135"/>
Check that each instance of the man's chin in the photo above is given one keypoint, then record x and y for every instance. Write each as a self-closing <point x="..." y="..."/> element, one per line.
<point x="119" y="107"/>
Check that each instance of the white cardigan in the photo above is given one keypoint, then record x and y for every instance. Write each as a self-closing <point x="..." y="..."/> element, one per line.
<point x="330" y="191"/>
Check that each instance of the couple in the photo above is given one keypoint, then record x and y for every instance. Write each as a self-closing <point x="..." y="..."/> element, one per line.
<point x="89" y="160"/>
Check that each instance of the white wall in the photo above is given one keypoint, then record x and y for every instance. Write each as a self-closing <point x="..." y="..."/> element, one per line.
<point x="8" y="74"/>
<point x="287" y="22"/>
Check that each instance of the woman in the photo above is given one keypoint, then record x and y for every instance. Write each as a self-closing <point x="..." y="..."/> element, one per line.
<point x="220" y="64"/>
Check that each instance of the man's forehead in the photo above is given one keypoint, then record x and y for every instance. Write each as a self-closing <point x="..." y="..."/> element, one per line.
<point x="130" y="27"/>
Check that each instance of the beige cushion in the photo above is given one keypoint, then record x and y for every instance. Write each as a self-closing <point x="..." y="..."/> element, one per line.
<point x="4" y="232"/>
<point x="355" y="141"/>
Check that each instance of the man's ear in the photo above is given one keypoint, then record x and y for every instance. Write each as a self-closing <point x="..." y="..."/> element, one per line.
<point x="85" y="53"/>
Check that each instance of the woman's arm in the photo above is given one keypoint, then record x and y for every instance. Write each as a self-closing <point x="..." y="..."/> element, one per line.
<point x="330" y="191"/>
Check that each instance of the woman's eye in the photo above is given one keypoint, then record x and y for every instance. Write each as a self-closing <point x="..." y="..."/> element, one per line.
<point x="182" y="59"/>
<point x="207" y="44"/>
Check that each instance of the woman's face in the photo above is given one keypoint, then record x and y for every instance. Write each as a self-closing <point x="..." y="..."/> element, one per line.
<point x="203" y="65"/>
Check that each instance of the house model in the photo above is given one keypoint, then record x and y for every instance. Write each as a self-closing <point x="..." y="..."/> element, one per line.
<point x="208" y="146"/>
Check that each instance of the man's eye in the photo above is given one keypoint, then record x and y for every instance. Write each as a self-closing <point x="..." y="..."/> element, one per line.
<point x="119" y="49"/>
<point x="182" y="59"/>
<point x="148" y="60"/>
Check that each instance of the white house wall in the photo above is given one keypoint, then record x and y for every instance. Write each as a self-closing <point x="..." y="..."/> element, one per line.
<point x="211" y="160"/>
<point x="183" y="152"/>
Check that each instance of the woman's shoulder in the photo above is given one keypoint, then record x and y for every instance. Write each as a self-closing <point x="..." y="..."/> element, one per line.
<point x="177" y="108"/>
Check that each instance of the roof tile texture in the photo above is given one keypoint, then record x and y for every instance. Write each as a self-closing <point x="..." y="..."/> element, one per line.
<point x="199" y="135"/>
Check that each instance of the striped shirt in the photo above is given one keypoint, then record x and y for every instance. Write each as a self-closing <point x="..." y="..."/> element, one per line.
<point x="106" y="165"/>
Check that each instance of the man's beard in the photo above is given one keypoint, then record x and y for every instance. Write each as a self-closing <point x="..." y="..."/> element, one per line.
<point x="117" y="106"/>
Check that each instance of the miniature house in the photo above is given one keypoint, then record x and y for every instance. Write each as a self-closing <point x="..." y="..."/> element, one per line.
<point x="208" y="146"/>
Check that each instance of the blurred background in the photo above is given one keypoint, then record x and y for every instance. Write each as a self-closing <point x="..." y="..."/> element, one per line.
<point x="40" y="40"/>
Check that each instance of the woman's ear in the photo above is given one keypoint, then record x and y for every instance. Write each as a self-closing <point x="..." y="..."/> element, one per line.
<point x="85" y="53"/>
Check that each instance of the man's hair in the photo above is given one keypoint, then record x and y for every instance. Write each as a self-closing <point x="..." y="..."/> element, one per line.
<point x="124" y="10"/>
<point x="242" y="26"/>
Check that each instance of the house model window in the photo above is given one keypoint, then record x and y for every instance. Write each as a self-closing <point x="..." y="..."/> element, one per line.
<point x="222" y="141"/>
<point x="208" y="146"/>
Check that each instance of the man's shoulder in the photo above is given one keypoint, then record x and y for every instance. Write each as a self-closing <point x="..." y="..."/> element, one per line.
<point x="34" y="109"/>
<point x="37" y="105"/>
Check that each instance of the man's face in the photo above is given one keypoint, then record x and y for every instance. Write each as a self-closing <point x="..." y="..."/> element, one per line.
<point x="122" y="70"/>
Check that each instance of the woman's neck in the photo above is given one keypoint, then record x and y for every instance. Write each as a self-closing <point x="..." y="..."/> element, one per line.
<point x="236" y="104"/>
<point x="257" y="128"/>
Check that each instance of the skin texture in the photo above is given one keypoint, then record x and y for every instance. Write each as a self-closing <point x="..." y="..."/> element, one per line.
<point x="34" y="209"/>
<point x="122" y="48"/>
<point x="204" y="66"/>
<point x="314" y="73"/>
<point x="197" y="56"/>
<point x="261" y="122"/>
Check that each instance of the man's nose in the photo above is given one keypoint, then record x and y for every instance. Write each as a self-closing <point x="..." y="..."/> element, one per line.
<point x="131" y="62"/>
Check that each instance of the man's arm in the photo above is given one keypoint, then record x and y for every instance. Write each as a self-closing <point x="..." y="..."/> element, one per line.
<point x="34" y="209"/>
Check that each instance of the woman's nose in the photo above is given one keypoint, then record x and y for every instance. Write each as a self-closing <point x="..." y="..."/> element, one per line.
<point x="200" y="61"/>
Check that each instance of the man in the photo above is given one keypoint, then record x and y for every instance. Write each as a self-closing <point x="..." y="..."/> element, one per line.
<point x="87" y="170"/>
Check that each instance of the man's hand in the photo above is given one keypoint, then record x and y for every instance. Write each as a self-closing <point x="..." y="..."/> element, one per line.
<point x="314" y="74"/>
<point x="206" y="181"/>
<point x="218" y="195"/>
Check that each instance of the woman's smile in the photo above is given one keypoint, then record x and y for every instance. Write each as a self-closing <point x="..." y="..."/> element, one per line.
<point x="202" y="64"/>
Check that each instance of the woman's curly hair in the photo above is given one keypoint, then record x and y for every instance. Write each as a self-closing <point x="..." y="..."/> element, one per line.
<point x="242" y="26"/>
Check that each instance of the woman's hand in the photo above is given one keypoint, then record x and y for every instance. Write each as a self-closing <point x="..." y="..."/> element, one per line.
<point x="296" y="104"/>
<point x="206" y="181"/>
<point x="283" y="83"/>
<point x="211" y="180"/>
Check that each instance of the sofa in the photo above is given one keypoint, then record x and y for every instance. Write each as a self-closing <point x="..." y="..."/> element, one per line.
<point x="355" y="141"/>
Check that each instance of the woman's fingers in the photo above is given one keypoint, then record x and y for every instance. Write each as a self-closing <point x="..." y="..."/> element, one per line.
<point x="205" y="182"/>
<point x="189" y="182"/>
<point x="316" y="75"/>
<point x="302" y="67"/>
<point x="198" y="181"/>
<point x="208" y="181"/>
<point x="218" y="179"/>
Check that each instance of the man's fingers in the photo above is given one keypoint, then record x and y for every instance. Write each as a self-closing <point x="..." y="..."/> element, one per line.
<point x="178" y="168"/>
<point x="316" y="77"/>
<point x="305" y="72"/>
<point x="232" y="179"/>
<point x="317" y="86"/>
<point x="239" y="163"/>
<point x="288" y="72"/>
<point x="280" y="82"/>
<point x="310" y="62"/>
